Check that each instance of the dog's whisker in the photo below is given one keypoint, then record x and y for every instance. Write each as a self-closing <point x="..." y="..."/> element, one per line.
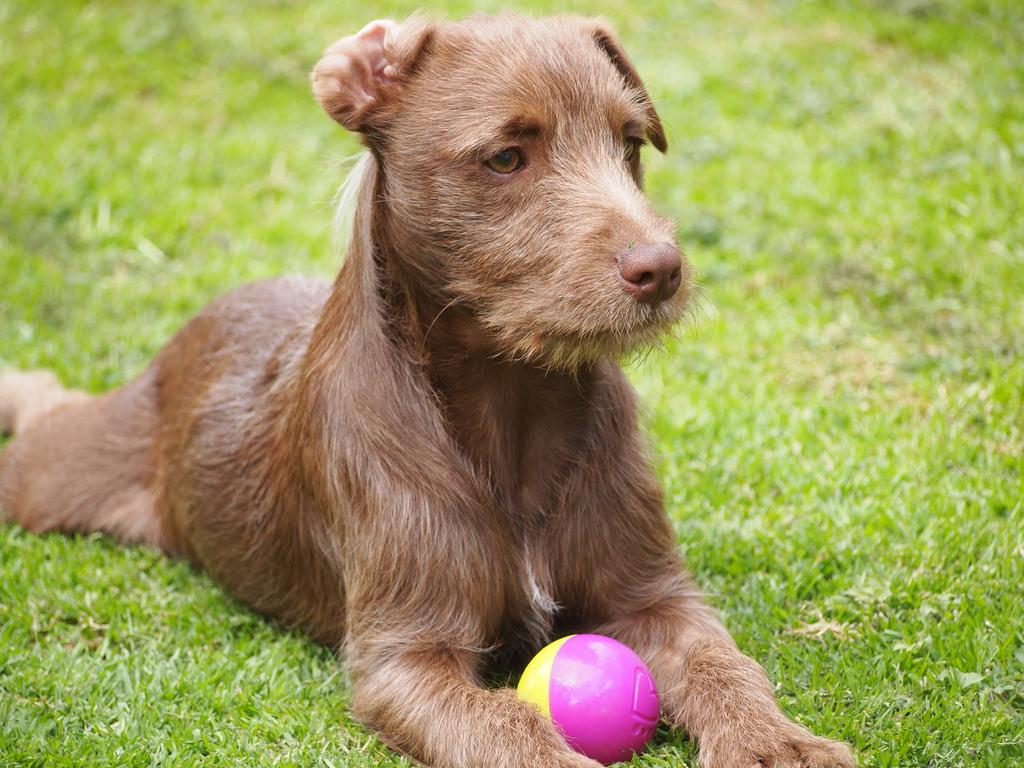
<point x="433" y="322"/>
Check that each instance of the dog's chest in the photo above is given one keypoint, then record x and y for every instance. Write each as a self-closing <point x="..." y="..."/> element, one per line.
<point x="523" y="436"/>
<point x="529" y="610"/>
<point x="532" y="606"/>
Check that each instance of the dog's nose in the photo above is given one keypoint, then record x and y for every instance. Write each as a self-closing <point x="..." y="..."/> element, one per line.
<point x="651" y="272"/>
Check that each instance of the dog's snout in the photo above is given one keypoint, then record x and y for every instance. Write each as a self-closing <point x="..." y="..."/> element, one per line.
<point x="650" y="272"/>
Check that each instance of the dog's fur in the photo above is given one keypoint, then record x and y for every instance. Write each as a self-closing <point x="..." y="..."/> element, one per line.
<point x="435" y="461"/>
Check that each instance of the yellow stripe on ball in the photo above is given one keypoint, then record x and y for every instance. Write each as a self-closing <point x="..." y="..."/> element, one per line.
<point x="535" y="684"/>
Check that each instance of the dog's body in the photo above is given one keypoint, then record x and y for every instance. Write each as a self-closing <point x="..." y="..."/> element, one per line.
<point x="435" y="459"/>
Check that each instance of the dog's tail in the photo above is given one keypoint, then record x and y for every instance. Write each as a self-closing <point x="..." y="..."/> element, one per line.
<point x="27" y="395"/>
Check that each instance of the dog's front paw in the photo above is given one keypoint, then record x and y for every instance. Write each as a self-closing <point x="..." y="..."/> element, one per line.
<point x="774" y="746"/>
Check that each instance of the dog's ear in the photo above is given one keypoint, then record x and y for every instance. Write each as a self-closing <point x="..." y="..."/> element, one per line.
<point x="360" y="76"/>
<point x="607" y="42"/>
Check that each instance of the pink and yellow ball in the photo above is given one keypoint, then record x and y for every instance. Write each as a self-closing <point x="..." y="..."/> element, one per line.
<point x="597" y="691"/>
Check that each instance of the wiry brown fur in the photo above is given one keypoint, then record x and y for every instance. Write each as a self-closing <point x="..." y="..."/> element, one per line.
<point x="435" y="461"/>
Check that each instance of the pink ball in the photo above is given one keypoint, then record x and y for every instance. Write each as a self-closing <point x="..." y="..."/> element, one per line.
<point x="599" y="694"/>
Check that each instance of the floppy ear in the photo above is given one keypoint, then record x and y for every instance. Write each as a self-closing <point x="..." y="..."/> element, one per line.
<point x="360" y="76"/>
<point x="607" y="42"/>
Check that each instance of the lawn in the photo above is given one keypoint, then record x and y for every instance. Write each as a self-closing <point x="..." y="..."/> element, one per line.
<point x="840" y="434"/>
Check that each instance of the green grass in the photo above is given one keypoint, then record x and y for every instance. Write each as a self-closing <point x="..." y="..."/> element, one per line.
<point x="840" y="436"/>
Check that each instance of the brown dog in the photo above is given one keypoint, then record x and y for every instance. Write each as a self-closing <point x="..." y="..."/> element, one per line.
<point x="434" y="460"/>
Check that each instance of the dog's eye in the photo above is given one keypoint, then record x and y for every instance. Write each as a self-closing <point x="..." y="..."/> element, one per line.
<point x="632" y="149"/>
<point x="505" y="162"/>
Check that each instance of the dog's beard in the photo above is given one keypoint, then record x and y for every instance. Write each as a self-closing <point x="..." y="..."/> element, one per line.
<point x="570" y="346"/>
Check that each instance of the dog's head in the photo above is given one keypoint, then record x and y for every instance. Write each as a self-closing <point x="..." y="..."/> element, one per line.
<point x="510" y="154"/>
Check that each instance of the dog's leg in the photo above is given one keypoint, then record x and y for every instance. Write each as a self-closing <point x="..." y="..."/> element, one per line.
<point x="432" y="706"/>
<point x="721" y="697"/>
<point x="618" y="569"/>
<point x="78" y="463"/>
<point x="615" y="569"/>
